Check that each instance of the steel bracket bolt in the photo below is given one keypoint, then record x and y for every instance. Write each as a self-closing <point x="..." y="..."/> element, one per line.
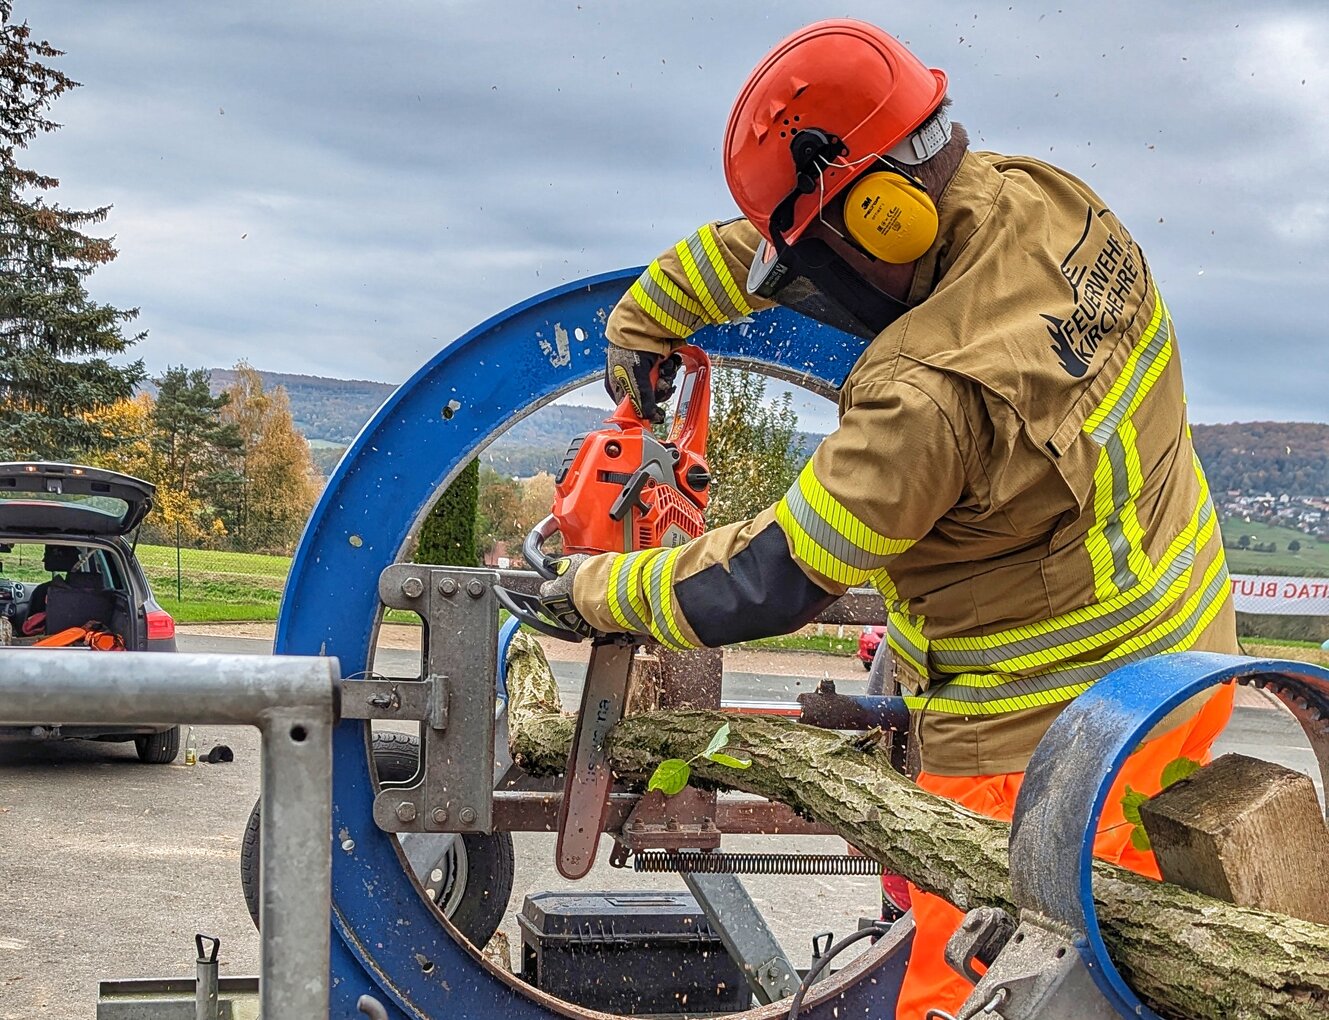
<point x="467" y="815"/>
<point x="440" y="816"/>
<point x="447" y="586"/>
<point x="474" y="588"/>
<point x="412" y="587"/>
<point x="406" y="811"/>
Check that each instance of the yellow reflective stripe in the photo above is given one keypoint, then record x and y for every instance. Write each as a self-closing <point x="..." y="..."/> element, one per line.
<point x="904" y="633"/>
<point x="1130" y="383"/>
<point x="1129" y="513"/>
<point x="651" y="308"/>
<point x="885" y="585"/>
<point x="828" y="537"/>
<point x="685" y="301"/>
<point x="659" y="597"/>
<point x="684" y="252"/>
<point x="952" y="706"/>
<point x="711" y="243"/>
<point x="615" y="609"/>
<point x="1059" y="649"/>
<point x="1176" y="634"/>
<point x="1095" y="542"/>
<point x="624" y="597"/>
<point x="1083" y="629"/>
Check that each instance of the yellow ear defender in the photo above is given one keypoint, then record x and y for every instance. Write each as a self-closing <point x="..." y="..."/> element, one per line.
<point x="891" y="216"/>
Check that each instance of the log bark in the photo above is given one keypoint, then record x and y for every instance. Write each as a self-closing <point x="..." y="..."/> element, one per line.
<point x="1188" y="956"/>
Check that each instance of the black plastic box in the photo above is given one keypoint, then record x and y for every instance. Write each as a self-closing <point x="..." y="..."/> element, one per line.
<point x="628" y="952"/>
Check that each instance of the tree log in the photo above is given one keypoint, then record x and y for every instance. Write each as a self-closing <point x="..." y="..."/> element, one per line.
<point x="1188" y="956"/>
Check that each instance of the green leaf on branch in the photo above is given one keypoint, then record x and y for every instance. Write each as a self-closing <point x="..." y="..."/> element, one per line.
<point x="1130" y="808"/>
<point x="1178" y="769"/>
<point x="718" y="742"/>
<point x="725" y="759"/>
<point x="670" y="776"/>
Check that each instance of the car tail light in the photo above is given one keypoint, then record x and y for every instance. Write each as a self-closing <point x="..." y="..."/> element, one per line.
<point x="161" y="625"/>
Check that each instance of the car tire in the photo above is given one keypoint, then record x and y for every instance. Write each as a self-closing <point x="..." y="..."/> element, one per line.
<point x="867" y="663"/>
<point x="485" y="861"/>
<point x="158" y="748"/>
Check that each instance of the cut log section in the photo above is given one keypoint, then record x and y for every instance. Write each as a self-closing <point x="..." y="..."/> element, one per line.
<point x="1189" y="956"/>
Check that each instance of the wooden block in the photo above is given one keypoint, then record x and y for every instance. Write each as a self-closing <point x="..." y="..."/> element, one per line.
<point x="643" y="685"/>
<point x="1246" y="831"/>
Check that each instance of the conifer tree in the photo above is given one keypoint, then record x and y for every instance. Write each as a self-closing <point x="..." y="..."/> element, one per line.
<point x="55" y="340"/>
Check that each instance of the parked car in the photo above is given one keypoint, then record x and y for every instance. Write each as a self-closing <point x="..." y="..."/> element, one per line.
<point x="868" y="640"/>
<point x="68" y="573"/>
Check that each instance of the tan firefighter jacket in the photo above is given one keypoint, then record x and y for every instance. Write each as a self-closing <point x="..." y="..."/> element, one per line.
<point x="1012" y="470"/>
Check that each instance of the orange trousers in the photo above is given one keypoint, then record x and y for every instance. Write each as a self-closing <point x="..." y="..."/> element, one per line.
<point x="929" y="983"/>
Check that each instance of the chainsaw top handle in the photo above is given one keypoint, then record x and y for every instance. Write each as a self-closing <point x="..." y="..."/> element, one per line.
<point x="692" y="406"/>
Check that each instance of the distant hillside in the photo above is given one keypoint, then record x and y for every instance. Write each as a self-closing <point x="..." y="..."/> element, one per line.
<point x="323" y="408"/>
<point x="1265" y="456"/>
<point x="1278" y="457"/>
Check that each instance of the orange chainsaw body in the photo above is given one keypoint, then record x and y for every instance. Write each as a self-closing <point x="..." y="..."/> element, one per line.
<point x="621" y="489"/>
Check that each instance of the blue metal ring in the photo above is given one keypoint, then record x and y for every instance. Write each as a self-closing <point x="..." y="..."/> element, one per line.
<point x="390" y="942"/>
<point x="1074" y="767"/>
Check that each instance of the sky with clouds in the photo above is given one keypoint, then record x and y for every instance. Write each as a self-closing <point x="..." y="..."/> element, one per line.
<point x="339" y="189"/>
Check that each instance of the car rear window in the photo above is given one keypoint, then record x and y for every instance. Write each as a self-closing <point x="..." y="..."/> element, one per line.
<point x="109" y="506"/>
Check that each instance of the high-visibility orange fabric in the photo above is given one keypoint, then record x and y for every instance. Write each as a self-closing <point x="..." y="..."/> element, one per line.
<point x="102" y="641"/>
<point x="929" y="983"/>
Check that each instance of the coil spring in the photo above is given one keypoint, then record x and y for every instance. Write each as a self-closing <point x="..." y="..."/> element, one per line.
<point x="713" y="863"/>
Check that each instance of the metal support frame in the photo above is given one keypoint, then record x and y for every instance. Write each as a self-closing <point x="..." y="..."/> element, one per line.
<point x="292" y="702"/>
<point x="745" y="935"/>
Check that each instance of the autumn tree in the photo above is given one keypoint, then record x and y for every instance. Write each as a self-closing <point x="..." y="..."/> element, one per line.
<point x="499" y="513"/>
<point x="55" y="341"/>
<point x="274" y="483"/>
<point x="537" y="498"/>
<point x="752" y="450"/>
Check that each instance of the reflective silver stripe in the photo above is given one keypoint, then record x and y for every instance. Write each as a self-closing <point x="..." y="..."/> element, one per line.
<point x="895" y="634"/>
<point x="824" y="534"/>
<point x="1124" y="577"/>
<point x="718" y="292"/>
<point x="1090" y="672"/>
<point x="655" y="598"/>
<point x="952" y="659"/>
<point x="1152" y="349"/>
<point x="626" y="592"/>
<point x="686" y="317"/>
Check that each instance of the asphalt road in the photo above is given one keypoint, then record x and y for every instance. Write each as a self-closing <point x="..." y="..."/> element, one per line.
<point x="111" y="866"/>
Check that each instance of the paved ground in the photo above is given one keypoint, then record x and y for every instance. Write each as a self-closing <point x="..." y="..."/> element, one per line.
<point x="112" y="866"/>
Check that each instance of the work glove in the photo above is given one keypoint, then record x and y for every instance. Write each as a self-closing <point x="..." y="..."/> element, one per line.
<point x="628" y="374"/>
<point x="556" y="595"/>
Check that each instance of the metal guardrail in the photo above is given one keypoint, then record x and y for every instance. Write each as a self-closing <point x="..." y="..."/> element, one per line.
<point x="292" y="702"/>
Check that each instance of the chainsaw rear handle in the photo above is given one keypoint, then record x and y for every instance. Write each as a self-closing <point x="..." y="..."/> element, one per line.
<point x="528" y="608"/>
<point x="533" y="548"/>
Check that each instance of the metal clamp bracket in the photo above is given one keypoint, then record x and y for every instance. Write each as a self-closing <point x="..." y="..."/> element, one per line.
<point x="453" y="789"/>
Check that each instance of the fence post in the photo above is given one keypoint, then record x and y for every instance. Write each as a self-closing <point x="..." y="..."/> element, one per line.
<point x="178" y="596"/>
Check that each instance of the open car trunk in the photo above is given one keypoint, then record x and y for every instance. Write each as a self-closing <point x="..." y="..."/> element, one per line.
<point x="69" y="499"/>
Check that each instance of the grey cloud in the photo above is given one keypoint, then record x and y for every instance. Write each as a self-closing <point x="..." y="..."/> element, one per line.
<point x="403" y="171"/>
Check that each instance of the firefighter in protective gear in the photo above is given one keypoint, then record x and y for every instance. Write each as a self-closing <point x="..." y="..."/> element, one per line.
<point x="1012" y="469"/>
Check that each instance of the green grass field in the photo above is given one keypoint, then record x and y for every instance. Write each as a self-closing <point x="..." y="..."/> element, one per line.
<point x="1312" y="560"/>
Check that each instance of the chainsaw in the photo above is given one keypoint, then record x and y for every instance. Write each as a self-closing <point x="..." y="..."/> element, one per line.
<point x="619" y="489"/>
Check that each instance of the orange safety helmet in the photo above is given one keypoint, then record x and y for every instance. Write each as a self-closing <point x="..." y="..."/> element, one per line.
<point x="846" y="78"/>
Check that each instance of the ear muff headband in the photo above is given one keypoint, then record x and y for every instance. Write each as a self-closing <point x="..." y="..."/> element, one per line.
<point x="890" y="216"/>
